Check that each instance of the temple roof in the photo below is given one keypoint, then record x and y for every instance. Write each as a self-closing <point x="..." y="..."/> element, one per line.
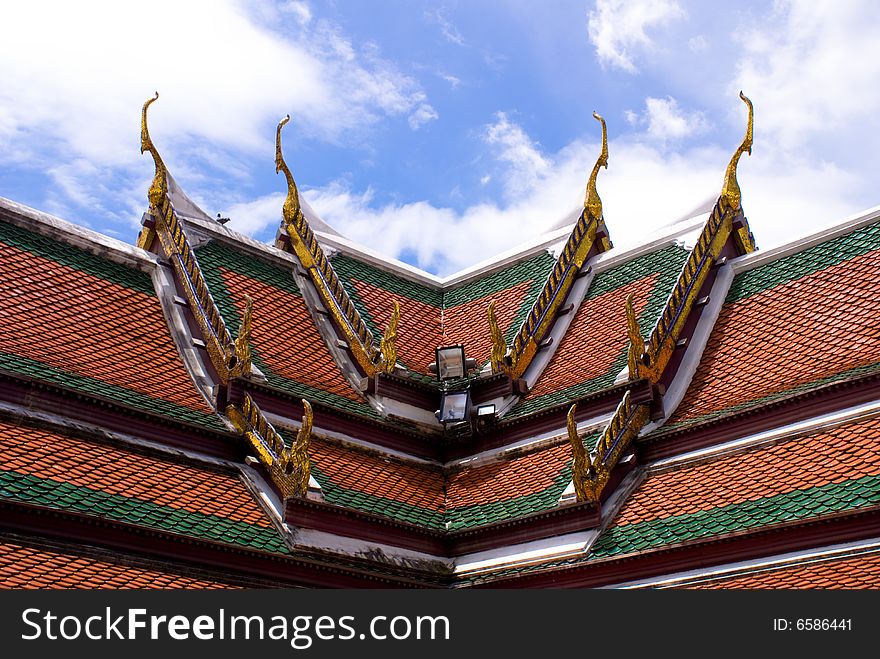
<point x="794" y="324"/>
<point x="666" y="413"/>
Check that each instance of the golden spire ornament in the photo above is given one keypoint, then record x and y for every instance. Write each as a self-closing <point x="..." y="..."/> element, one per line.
<point x="581" y="468"/>
<point x="730" y="192"/>
<point x="592" y="202"/>
<point x="242" y="347"/>
<point x="159" y="186"/>
<point x="291" y="204"/>
<point x="636" y="342"/>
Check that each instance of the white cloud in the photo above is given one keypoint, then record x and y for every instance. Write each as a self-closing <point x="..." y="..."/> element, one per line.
<point x="524" y="161"/>
<point x="453" y="81"/>
<point x="449" y="31"/>
<point x="301" y="10"/>
<point x="423" y="114"/>
<point x="698" y="43"/>
<point x="255" y="216"/>
<point x="815" y="70"/>
<point x="618" y="28"/>
<point x="645" y="187"/>
<point x="226" y="71"/>
<point x="222" y="75"/>
<point x="664" y="120"/>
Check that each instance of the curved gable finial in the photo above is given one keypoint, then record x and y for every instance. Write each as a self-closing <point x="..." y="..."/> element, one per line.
<point x="159" y="186"/>
<point x="291" y="204"/>
<point x="730" y="192"/>
<point x="592" y="202"/>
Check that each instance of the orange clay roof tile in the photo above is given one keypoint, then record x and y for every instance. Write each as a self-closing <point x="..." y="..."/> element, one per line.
<point x="113" y="470"/>
<point x="796" y="464"/>
<point x="857" y="572"/>
<point x="600" y="323"/>
<point x="468" y="323"/>
<point x="419" y="329"/>
<point x="420" y="494"/>
<point x="79" y="323"/>
<point x="28" y="568"/>
<point x="285" y="337"/>
<point x="786" y="337"/>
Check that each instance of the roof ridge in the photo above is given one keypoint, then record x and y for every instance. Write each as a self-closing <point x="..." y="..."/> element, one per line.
<point x="163" y="224"/>
<point x="653" y="359"/>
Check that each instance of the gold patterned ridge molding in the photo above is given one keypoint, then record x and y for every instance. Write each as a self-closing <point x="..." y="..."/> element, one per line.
<point x="223" y="352"/>
<point x="649" y="359"/>
<point x="591" y="473"/>
<point x="310" y="254"/>
<point x="560" y="280"/>
<point x="289" y="468"/>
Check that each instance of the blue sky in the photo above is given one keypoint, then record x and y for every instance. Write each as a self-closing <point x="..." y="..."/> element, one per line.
<point x="417" y="125"/>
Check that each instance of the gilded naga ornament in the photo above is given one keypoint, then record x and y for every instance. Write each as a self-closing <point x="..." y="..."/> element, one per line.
<point x="592" y="202"/>
<point x="582" y="471"/>
<point x="730" y="192"/>
<point x="159" y="186"/>
<point x="499" y="345"/>
<point x="242" y="347"/>
<point x="293" y="468"/>
<point x="387" y="348"/>
<point x="636" y="342"/>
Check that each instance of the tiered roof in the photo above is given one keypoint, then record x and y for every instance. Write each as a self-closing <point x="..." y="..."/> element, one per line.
<point x="207" y="411"/>
<point x="600" y="322"/>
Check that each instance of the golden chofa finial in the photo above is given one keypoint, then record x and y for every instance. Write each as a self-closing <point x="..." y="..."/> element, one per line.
<point x="299" y="452"/>
<point x="730" y="191"/>
<point x="159" y="186"/>
<point x="291" y="204"/>
<point x="592" y="202"/>
<point x="387" y="347"/>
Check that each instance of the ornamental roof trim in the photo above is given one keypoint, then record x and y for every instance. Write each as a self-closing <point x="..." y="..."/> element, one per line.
<point x="830" y="231"/>
<point x="76" y="235"/>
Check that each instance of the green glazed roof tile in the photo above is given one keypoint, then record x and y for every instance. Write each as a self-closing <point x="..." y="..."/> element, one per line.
<point x="75" y="258"/>
<point x="786" y="507"/>
<point x="348" y="269"/>
<point x="803" y="263"/>
<point x="23" y="365"/>
<point x="455" y="518"/>
<point x="54" y="494"/>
